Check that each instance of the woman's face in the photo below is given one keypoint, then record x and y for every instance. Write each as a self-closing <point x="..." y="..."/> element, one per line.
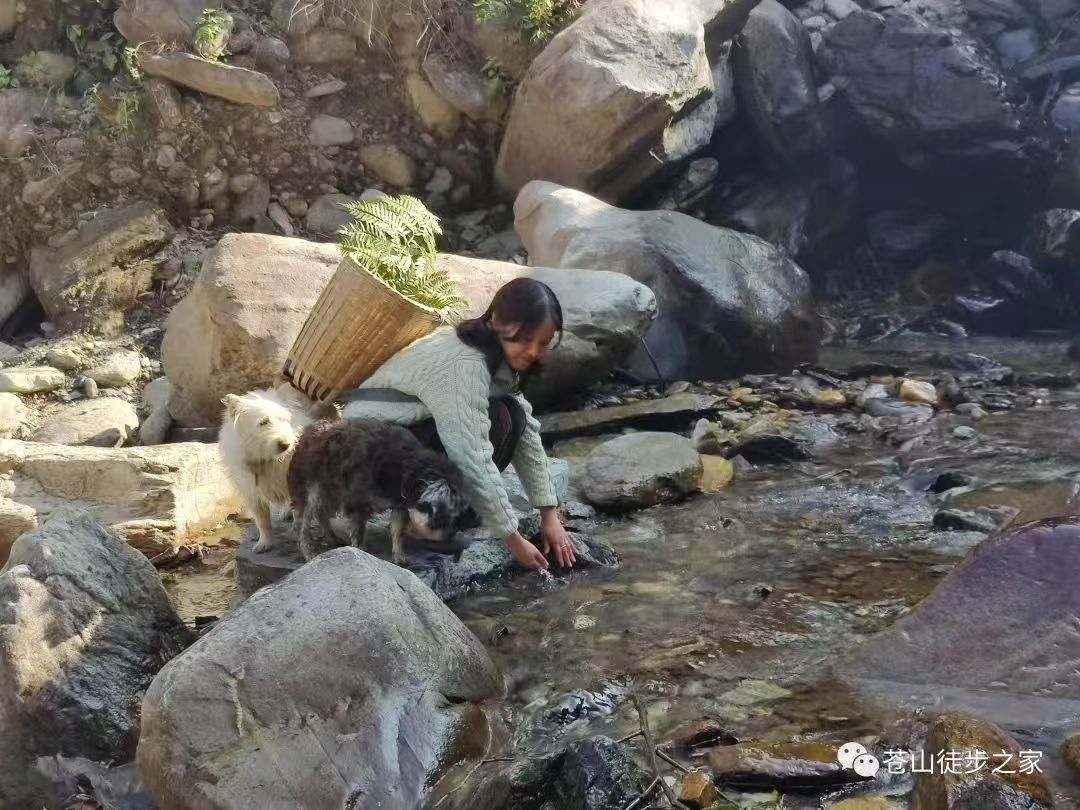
<point x="523" y="350"/>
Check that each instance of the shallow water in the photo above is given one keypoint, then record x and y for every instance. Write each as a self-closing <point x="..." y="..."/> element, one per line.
<point x="734" y="605"/>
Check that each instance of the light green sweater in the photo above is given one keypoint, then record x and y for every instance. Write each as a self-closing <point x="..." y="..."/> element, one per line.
<point x="440" y="377"/>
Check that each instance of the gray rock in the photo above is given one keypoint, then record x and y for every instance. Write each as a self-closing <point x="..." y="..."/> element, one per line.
<point x="774" y="78"/>
<point x="326" y="130"/>
<point x="12" y="415"/>
<point x="271" y="54"/>
<point x="44" y="69"/>
<point x="870" y="57"/>
<point x="327" y="214"/>
<point x="84" y="625"/>
<point x="322" y="46"/>
<point x="252" y="204"/>
<point x="467" y="90"/>
<point x="596" y="112"/>
<point x="670" y="412"/>
<point x="67" y="357"/>
<point x="104" y="422"/>
<point x="235" y="84"/>
<point x="408" y="673"/>
<point x="9" y="16"/>
<point x="840" y="9"/>
<point x="163" y="101"/>
<point x="597" y="774"/>
<point x="280" y="217"/>
<point x="1014" y="592"/>
<point x="31" y="379"/>
<point x="155" y="428"/>
<point x="1066" y="110"/>
<point x="17" y="111"/>
<point x="1054" y="241"/>
<point x="296" y="17"/>
<point x="389" y="164"/>
<point x="728" y="302"/>
<point x="641" y="469"/>
<point x="168" y="21"/>
<point x="441" y="181"/>
<point x="324" y="89"/>
<point x="724" y="86"/>
<point x="45" y="190"/>
<point x="117" y="370"/>
<point x="1017" y="46"/>
<point x="90" y="282"/>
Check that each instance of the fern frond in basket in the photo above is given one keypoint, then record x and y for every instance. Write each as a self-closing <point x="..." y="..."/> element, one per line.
<point x="396" y="240"/>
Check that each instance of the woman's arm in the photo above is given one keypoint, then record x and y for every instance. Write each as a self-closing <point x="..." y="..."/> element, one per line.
<point x="531" y="461"/>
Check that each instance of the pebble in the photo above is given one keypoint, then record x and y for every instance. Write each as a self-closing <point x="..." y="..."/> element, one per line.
<point x="830" y="399"/>
<point x="918" y="391"/>
<point x="31" y="380"/>
<point x="965" y="433"/>
<point x="117" y="370"/>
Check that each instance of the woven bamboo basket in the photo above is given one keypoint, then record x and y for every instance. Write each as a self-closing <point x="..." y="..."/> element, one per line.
<point x="357" y="324"/>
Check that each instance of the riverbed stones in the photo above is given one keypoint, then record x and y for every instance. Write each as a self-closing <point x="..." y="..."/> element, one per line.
<point x="1000" y="785"/>
<point x="784" y="766"/>
<point x="327" y="130"/>
<point x="327" y="215"/>
<point x="654" y="414"/>
<point x="729" y="303"/>
<point x="388" y="163"/>
<point x="31" y="379"/>
<point x="409" y="675"/>
<point x="641" y="469"/>
<point x="167" y="21"/>
<point x="117" y="370"/>
<point x="155" y="498"/>
<point x="103" y="422"/>
<point x="91" y="281"/>
<point x="917" y="391"/>
<point x="12" y="414"/>
<point x="84" y="625"/>
<point x="697" y="790"/>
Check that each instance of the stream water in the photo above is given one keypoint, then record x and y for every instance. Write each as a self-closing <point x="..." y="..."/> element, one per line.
<point x="734" y="605"/>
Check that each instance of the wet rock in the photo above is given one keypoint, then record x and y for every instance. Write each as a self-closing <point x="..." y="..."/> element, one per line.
<point x="1055" y="239"/>
<point x="709" y="438"/>
<point x="117" y="370"/>
<point x="322" y="46"/>
<point x="869" y="58"/>
<point x="918" y="392"/>
<point x="965" y="433"/>
<point x="641" y="469"/>
<point x="327" y="215"/>
<point x="155" y="498"/>
<point x="419" y="693"/>
<point x="465" y="88"/>
<point x="988" y="788"/>
<point x="768" y="448"/>
<point x="85" y="624"/>
<point x="91" y="281"/>
<point x="950" y="480"/>
<point x="785" y="766"/>
<point x="389" y="164"/>
<point x="167" y="21"/>
<point x="105" y="422"/>
<point x="830" y="399"/>
<point x="235" y="84"/>
<point x="717" y="473"/>
<point x="597" y="775"/>
<point x="1070" y="751"/>
<point x="982" y="519"/>
<point x="706" y="734"/>
<point x="693" y="185"/>
<point x="584" y="704"/>
<point x="31" y="380"/>
<point x="904" y="413"/>
<point x="697" y="791"/>
<point x="774" y="78"/>
<point x="1010" y="296"/>
<point x="670" y="412"/>
<point x="750" y="311"/>
<point x="1066" y="110"/>
<point x="596" y="112"/>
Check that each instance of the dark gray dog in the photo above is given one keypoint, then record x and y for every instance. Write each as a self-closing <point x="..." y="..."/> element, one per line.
<point x="362" y="466"/>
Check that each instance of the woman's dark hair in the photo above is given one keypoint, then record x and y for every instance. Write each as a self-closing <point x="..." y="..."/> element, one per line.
<point x="524" y="302"/>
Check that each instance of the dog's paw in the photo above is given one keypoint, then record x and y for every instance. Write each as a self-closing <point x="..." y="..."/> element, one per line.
<point x="262" y="545"/>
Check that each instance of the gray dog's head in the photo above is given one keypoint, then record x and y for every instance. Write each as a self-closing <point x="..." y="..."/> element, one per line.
<point x="438" y="512"/>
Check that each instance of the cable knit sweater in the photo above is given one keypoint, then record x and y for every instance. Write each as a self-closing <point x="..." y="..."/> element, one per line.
<point x="441" y="377"/>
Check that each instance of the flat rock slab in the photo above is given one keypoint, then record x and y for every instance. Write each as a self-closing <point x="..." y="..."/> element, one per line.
<point x="656" y="414"/>
<point x="236" y="84"/>
<point x="452" y="571"/>
<point x="104" y="422"/>
<point x="998" y="636"/>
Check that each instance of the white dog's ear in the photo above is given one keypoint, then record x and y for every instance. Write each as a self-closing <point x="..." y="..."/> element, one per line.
<point x="232" y="403"/>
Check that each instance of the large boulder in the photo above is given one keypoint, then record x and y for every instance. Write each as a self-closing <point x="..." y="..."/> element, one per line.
<point x="167" y="21"/>
<point x="774" y="78"/>
<point x="729" y="303"/>
<point x="156" y="498"/>
<point x="84" y="626"/>
<point x="233" y="331"/>
<point x="347" y="679"/>
<point x="1002" y="624"/>
<point x="932" y="94"/>
<point x="91" y="281"/>
<point x="641" y="469"/>
<point x="623" y="90"/>
<point x="236" y="84"/>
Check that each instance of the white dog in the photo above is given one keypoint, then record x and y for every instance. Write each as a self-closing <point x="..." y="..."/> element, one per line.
<point x="259" y="432"/>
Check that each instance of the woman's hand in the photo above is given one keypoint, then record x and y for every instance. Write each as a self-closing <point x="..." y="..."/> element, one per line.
<point x="526" y="554"/>
<point x="556" y="540"/>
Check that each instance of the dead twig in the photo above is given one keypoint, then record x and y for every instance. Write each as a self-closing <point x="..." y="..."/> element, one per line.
<point x="650" y="746"/>
<point x="629" y="737"/>
<point x="636" y="802"/>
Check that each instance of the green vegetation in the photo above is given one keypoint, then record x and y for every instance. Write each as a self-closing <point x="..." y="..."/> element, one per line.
<point x="117" y="108"/>
<point x="394" y="239"/>
<point x="169" y="579"/>
<point x="537" y="19"/>
<point x="7" y="79"/>
<point x="212" y="34"/>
